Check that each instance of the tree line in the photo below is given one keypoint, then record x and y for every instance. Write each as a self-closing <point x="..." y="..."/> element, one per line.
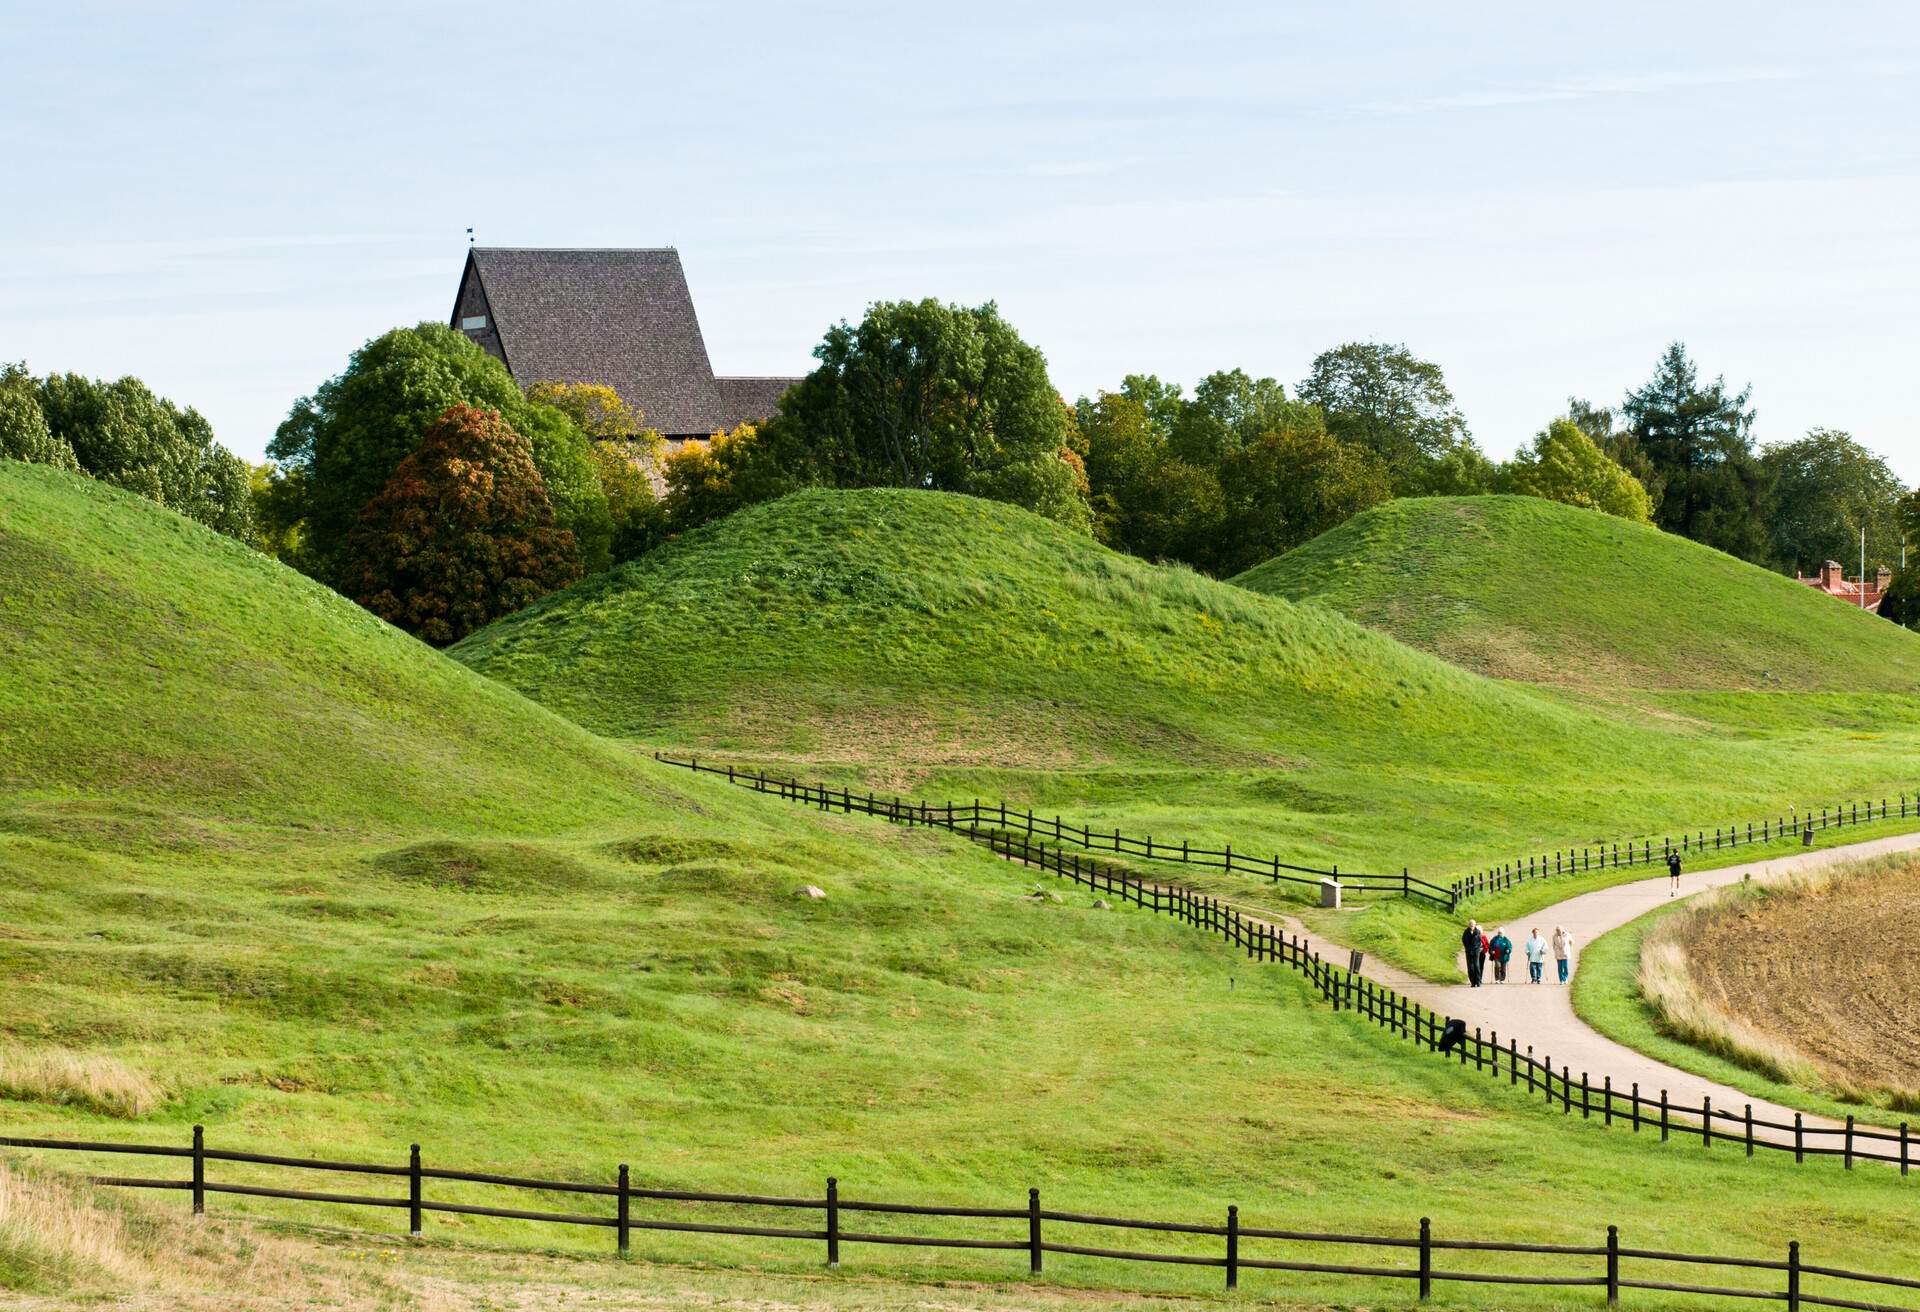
<point x="428" y="486"/>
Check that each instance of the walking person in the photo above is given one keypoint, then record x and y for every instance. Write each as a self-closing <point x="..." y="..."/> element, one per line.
<point x="1673" y="873"/>
<point x="1562" y="949"/>
<point x="1474" y="943"/>
<point x="1536" y="950"/>
<point x="1502" y="952"/>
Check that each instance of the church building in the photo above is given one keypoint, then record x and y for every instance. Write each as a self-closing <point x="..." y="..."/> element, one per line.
<point x="622" y="318"/>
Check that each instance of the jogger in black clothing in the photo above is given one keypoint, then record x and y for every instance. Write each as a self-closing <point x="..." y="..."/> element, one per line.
<point x="1673" y="873"/>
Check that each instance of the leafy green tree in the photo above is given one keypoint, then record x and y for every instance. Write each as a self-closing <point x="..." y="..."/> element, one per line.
<point x="924" y="395"/>
<point x="1601" y="425"/>
<point x="1161" y="401"/>
<point x="639" y="522"/>
<point x="352" y="433"/>
<point x="1228" y="410"/>
<point x="1383" y="397"/>
<point x="712" y="479"/>
<point x="1146" y="501"/>
<point x="24" y="434"/>
<point x="1291" y="484"/>
<point x="1827" y="487"/>
<point x="1901" y="601"/>
<point x="462" y="533"/>
<point x="626" y="456"/>
<point x="1700" y="440"/>
<point x="276" y="511"/>
<point x="1563" y="464"/>
<point x="121" y="433"/>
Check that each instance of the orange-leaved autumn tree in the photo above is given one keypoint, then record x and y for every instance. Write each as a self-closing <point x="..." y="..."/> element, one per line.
<point x="462" y="534"/>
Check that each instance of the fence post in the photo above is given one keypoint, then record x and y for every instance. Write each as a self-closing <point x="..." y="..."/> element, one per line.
<point x="413" y="1190"/>
<point x="1749" y="1129"/>
<point x="1033" y="1231"/>
<point x="1848" y="1151"/>
<point x="1607" y="1109"/>
<point x="624" y="1218"/>
<point x="833" y="1222"/>
<point x="1636" y="1106"/>
<point x="199" y="1169"/>
<point x="1233" y="1247"/>
<point x="1793" y="1275"/>
<point x="1706" y="1120"/>
<point x="1613" y="1264"/>
<point x="1903" y="1147"/>
<point x="1663" y="1116"/>
<point x="1426" y="1259"/>
<point x="1513" y="1061"/>
<point x="1799" y="1146"/>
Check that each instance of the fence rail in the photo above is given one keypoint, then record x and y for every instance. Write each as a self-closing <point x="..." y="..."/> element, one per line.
<point x="1040" y="1230"/>
<point x="979" y="815"/>
<point x="1626" y="853"/>
<point x="1596" y="1098"/>
<point x="1642" y="851"/>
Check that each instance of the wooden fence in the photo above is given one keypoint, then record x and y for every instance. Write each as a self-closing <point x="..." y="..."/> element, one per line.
<point x="1642" y="851"/>
<point x="979" y="815"/>
<point x="961" y="816"/>
<point x="1227" y="1244"/>
<point x="1595" y="1097"/>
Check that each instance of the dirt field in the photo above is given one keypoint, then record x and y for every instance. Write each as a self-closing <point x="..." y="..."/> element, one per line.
<point x="1832" y="971"/>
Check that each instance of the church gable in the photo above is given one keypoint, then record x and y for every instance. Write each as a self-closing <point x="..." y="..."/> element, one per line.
<point x="623" y="318"/>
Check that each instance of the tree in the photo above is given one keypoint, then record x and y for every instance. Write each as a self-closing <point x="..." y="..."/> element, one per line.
<point x="462" y="533"/>
<point x="1228" y="410"/>
<point x="925" y="395"/>
<point x="638" y="520"/>
<point x="276" y="511"/>
<point x="1700" y="440"/>
<point x="712" y="479"/>
<point x="121" y="433"/>
<point x="1901" y="601"/>
<point x="1145" y="500"/>
<point x="1291" y="484"/>
<point x="1826" y="488"/>
<point x="1383" y="397"/>
<point x="626" y="456"/>
<point x="24" y="434"/>
<point x="1563" y="464"/>
<point x="1600" y="424"/>
<point x="347" y="439"/>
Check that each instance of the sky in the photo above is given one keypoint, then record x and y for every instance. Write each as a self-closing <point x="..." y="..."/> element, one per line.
<point x="226" y="200"/>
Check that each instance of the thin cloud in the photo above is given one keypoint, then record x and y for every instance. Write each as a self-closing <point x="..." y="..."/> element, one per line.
<point x="1583" y="86"/>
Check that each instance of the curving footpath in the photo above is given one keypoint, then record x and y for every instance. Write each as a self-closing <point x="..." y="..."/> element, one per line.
<point x="1542" y="1015"/>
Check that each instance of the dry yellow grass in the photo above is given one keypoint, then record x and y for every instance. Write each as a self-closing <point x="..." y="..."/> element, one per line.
<point x="97" y="1082"/>
<point x="1690" y="994"/>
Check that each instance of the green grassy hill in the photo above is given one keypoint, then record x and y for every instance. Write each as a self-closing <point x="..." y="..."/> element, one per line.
<point x="270" y="867"/>
<point x="1522" y="588"/>
<point x="954" y="647"/>
<point x="158" y="667"/>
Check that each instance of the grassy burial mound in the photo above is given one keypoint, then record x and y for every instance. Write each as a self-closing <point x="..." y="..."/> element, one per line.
<point x="953" y="647"/>
<point x="938" y="627"/>
<point x="325" y="892"/>
<point x="1522" y="588"/>
<point x="154" y="668"/>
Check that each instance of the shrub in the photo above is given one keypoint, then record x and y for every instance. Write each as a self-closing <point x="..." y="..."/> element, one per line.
<point x="462" y="534"/>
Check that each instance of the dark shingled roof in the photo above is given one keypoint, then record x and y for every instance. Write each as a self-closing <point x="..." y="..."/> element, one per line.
<point x="620" y="317"/>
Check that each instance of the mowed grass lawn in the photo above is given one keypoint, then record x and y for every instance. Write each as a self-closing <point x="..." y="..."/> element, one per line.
<point x="272" y="868"/>
<point x="946" y="648"/>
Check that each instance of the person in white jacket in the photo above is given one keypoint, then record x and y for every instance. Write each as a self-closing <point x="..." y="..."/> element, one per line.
<point x="1562" y="949"/>
<point x="1536" y="950"/>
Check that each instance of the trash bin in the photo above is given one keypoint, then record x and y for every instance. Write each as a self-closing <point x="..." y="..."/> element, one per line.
<point x="1355" y="959"/>
<point x="1330" y="893"/>
<point x="1806" y="835"/>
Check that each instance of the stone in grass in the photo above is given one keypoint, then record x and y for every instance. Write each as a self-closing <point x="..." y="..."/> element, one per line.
<point x="1040" y="894"/>
<point x="810" y="892"/>
<point x="1101" y="904"/>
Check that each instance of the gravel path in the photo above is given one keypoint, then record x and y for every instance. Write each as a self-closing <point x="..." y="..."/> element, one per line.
<point x="1542" y="1014"/>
